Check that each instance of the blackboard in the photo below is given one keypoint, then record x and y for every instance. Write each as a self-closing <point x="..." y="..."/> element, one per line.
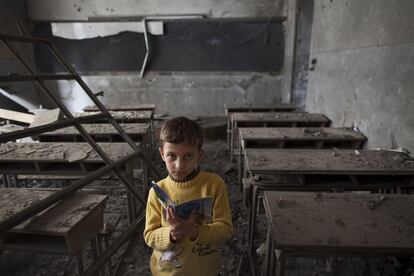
<point x="185" y="46"/>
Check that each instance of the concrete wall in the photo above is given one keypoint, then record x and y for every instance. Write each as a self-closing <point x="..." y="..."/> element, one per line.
<point x="12" y="12"/>
<point x="197" y="94"/>
<point x="178" y="94"/>
<point x="364" y="54"/>
<point x="80" y="10"/>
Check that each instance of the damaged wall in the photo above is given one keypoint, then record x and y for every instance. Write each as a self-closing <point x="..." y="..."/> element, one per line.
<point x="80" y="10"/>
<point x="12" y="12"/>
<point x="174" y="92"/>
<point x="364" y="67"/>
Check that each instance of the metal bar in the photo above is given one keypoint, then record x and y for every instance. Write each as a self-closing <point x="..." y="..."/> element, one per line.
<point x="16" y="78"/>
<point x="24" y="39"/>
<point x="6" y="137"/>
<point x="79" y="127"/>
<point x="126" y="235"/>
<point x="102" y="108"/>
<point x="39" y="206"/>
<point x="144" y="63"/>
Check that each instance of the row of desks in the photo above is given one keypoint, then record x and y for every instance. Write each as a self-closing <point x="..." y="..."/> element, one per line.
<point x="272" y="119"/>
<point x="296" y="152"/>
<point x="323" y="170"/>
<point x="58" y="230"/>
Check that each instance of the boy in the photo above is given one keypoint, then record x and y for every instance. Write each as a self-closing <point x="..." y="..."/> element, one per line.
<point x="186" y="246"/>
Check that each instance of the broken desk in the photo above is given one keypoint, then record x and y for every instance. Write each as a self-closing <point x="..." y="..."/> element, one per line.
<point x="337" y="224"/>
<point x="72" y="159"/>
<point x="324" y="170"/>
<point x="100" y="133"/>
<point x="274" y="119"/>
<point x="241" y="108"/>
<point x="299" y="137"/>
<point x="64" y="228"/>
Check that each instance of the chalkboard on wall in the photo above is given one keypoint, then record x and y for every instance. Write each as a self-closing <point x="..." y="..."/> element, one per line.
<point x="185" y="46"/>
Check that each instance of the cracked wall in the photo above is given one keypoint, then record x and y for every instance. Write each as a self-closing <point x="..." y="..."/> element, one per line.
<point x="364" y="68"/>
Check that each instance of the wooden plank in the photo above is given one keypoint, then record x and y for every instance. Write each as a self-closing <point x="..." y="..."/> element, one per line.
<point x="232" y="108"/>
<point x="10" y="128"/>
<point x="75" y="220"/>
<point x="16" y="116"/>
<point x="60" y="152"/>
<point x="282" y="117"/>
<point x="344" y="161"/>
<point x="347" y="221"/>
<point x="300" y="134"/>
<point x="113" y="107"/>
<point x="44" y="117"/>
<point x="123" y="116"/>
<point x="95" y="129"/>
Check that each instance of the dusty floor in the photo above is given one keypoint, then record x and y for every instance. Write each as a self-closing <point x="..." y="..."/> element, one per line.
<point x="133" y="257"/>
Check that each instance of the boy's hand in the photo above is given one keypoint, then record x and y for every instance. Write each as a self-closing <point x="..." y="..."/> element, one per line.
<point x="175" y="234"/>
<point x="182" y="227"/>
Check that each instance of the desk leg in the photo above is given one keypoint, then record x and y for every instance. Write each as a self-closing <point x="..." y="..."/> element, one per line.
<point x="231" y="144"/>
<point x="228" y="133"/>
<point x="152" y="138"/>
<point x="131" y="203"/>
<point x="94" y="248"/>
<point x="99" y="248"/>
<point x="79" y="261"/>
<point x="5" y="178"/>
<point x="240" y="167"/>
<point x="281" y="259"/>
<point x="251" y="264"/>
<point x="267" y="262"/>
<point x="252" y="220"/>
<point x="106" y="241"/>
<point x="145" y="175"/>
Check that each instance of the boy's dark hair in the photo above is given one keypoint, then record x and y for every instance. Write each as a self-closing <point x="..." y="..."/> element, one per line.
<point x="181" y="130"/>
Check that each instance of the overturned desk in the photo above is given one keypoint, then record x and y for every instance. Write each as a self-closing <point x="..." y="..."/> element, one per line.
<point x="310" y="137"/>
<point x="282" y="119"/>
<point x="324" y="170"/>
<point x="337" y="224"/>
<point x="64" y="228"/>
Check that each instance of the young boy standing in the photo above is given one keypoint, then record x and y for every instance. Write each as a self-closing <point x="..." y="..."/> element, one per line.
<point x="186" y="246"/>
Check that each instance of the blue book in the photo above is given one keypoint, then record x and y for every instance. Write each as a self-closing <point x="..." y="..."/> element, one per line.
<point x="203" y="206"/>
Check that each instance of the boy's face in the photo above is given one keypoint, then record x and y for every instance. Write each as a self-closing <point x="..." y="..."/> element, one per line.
<point x="180" y="159"/>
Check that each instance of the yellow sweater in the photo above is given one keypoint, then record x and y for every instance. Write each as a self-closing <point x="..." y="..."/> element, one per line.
<point x="199" y="257"/>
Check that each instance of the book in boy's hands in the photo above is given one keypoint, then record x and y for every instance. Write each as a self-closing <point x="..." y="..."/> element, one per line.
<point x="202" y="206"/>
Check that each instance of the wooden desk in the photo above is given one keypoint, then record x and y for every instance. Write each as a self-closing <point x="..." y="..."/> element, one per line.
<point x="239" y="108"/>
<point x="311" y="138"/>
<point x="270" y="119"/>
<point x="143" y="116"/>
<point x="56" y="158"/>
<point x="67" y="159"/>
<point x="233" y="108"/>
<point x="337" y="224"/>
<point x="113" y="107"/>
<point x="123" y="116"/>
<point x="64" y="228"/>
<point x="324" y="170"/>
<point x="100" y="133"/>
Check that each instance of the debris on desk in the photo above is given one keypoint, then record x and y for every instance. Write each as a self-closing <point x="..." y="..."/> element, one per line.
<point x="374" y="203"/>
<point x="76" y="155"/>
